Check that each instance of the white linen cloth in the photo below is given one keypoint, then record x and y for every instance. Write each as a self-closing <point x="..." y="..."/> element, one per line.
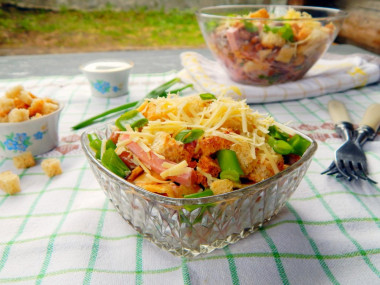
<point x="63" y="230"/>
<point x="326" y="76"/>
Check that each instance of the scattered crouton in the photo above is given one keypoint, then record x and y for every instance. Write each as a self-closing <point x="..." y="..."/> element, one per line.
<point x="221" y="186"/>
<point x="18" y="115"/>
<point x="51" y="167"/>
<point x="10" y="182"/>
<point x="24" y="160"/>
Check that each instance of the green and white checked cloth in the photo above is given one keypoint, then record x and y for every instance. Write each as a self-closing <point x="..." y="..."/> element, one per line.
<point x="63" y="230"/>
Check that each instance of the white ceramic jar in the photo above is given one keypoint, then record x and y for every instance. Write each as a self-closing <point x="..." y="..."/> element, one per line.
<point x="108" y="77"/>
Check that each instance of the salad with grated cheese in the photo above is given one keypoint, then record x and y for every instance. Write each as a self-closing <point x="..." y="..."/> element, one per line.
<point x="196" y="146"/>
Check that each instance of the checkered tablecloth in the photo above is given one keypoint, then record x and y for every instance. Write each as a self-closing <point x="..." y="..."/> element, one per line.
<point x="64" y="230"/>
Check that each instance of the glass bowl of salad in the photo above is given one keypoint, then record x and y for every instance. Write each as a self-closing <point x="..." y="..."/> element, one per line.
<point x="268" y="44"/>
<point x="196" y="173"/>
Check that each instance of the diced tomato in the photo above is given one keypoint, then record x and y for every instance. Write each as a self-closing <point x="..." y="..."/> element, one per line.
<point x="114" y="137"/>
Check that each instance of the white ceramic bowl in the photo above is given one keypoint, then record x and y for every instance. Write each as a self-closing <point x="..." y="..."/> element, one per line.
<point x="37" y="136"/>
<point x="108" y="77"/>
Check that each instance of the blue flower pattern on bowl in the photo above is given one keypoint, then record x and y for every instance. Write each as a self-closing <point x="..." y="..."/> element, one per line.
<point x="104" y="86"/>
<point x="20" y="141"/>
<point x="39" y="135"/>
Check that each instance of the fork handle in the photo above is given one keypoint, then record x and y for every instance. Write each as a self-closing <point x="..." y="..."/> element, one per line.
<point x="369" y="124"/>
<point x="372" y="117"/>
<point x="338" y="112"/>
<point x="342" y="120"/>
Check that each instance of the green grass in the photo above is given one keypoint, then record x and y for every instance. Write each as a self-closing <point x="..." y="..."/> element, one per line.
<point x="98" y="30"/>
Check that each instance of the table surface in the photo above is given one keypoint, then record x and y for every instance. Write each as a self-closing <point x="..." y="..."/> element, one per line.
<point x="146" y="61"/>
<point x="63" y="230"/>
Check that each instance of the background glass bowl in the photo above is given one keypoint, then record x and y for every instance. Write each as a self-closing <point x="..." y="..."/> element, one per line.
<point x="189" y="227"/>
<point x="250" y="54"/>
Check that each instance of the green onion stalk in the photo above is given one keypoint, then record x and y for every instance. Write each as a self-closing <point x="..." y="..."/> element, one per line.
<point x="160" y="91"/>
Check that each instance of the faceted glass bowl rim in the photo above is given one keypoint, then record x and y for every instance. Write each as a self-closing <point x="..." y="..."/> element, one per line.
<point x="337" y="14"/>
<point x="198" y="201"/>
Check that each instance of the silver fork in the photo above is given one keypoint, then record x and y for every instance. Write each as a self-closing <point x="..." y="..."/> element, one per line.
<point x="343" y="127"/>
<point x="350" y="159"/>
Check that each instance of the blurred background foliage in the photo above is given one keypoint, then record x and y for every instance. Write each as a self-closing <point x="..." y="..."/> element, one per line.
<point x="63" y="26"/>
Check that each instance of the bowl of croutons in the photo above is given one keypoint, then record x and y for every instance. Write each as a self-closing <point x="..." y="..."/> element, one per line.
<point x="27" y="123"/>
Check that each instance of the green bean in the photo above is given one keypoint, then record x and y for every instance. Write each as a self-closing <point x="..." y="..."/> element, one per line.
<point x="299" y="144"/>
<point x="282" y="147"/>
<point x="229" y="164"/>
<point x="230" y="174"/>
<point x="114" y="163"/>
<point x="133" y="118"/>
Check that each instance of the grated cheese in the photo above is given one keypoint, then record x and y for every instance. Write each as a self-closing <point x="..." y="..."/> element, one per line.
<point x="103" y="147"/>
<point x="174" y="169"/>
<point x="224" y="117"/>
<point x="208" y="176"/>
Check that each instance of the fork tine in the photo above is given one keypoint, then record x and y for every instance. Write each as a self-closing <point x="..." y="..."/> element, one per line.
<point x="348" y="166"/>
<point x="343" y="170"/>
<point x="334" y="171"/>
<point x="364" y="170"/>
<point x="330" y="168"/>
<point x="360" y="173"/>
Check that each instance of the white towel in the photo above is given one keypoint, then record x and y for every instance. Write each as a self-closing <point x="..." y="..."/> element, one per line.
<point x="325" y="77"/>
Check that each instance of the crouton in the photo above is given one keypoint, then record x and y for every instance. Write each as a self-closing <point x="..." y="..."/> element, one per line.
<point x="151" y="112"/>
<point x="210" y="145"/>
<point x="4" y="119"/>
<point x="286" y="53"/>
<point x="221" y="186"/>
<point x="14" y="92"/>
<point x="10" y="182"/>
<point x="263" y="170"/>
<point x="24" y="160"/>
<point x="48" y="108"/>
<point x="167" y="146"/>
<point x="243" y="153"/>
<point x="6" y="105"/>
<point x="271" y="40"/>
<point x="36" y="106"/>
<point x="262" y="13"/>
<point x="18" y="115"/>
<point x="25" y="97"/>
<point x="51" y="167"/>
<point x="20" y="104"/>
<point x="36" y="116"/>
<point x="209" y="165"/>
